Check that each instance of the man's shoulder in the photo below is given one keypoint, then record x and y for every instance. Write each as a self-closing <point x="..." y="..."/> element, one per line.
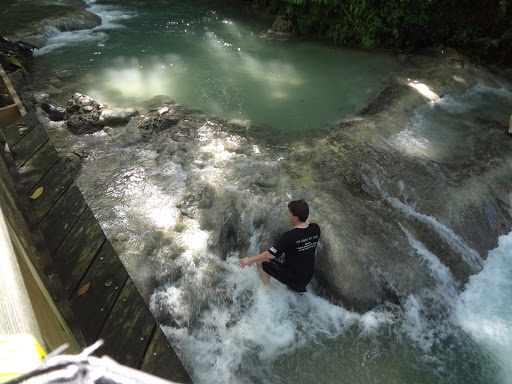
<point x="294" y="232"/>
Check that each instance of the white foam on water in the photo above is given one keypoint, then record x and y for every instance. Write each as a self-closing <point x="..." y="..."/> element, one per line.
<point x="57" y="39"/>
<point x="243" y="326"/>
<point x="443" y="293"/>
<point x="234" y="344"/>
<point x="431" y="132"/>
<point x="469" y="255"/>
<point x="484" y="309"/>
<point x="111" y="18"/>
<point x="372" y="321"/>
<point x="473" y="98"/>
<point x="440" y="272"/>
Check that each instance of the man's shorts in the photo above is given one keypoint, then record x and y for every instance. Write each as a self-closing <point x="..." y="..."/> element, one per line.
<point x="282" y="274"/>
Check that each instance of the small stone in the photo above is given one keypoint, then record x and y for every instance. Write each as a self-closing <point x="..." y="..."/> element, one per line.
<point x="117" y="116"/>
<point x="54" y="111"/>
<point x="163" y="111"/>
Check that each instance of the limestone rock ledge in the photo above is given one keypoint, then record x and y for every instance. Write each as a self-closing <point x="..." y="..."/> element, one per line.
<point x="34" y="24"/>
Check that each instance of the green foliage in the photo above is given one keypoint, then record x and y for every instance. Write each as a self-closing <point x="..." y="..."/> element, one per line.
<point x="15" y="62"/>
<point x="480" y="29"/>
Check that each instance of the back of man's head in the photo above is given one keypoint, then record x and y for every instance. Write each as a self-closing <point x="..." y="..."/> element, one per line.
<point x="300" y="209"/>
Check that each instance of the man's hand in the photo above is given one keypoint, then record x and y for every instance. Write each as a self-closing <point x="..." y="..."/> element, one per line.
<point x="244" y="262"/>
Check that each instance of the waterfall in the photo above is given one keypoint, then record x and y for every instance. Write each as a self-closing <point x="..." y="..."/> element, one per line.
<point x="484" y="309"/>
<point x="111" y="19"/>
<point x="470" y="256"/>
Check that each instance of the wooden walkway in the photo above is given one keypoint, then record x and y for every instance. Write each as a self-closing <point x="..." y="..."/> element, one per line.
<point x="111" y="308"/>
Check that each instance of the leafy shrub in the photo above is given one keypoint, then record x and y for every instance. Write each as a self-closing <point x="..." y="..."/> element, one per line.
<point x="482" y="29"/>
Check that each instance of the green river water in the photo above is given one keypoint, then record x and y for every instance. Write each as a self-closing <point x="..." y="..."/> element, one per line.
<point x="202" y="56"/>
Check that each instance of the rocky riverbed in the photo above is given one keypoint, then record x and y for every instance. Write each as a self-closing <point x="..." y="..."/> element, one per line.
<point x="372" y="199"/>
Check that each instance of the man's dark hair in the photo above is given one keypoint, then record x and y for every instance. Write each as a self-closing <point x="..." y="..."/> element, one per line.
<point x="300" y="209"/>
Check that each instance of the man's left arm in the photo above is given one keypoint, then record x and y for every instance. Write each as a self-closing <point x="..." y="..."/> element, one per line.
<point x="261" y="257"/>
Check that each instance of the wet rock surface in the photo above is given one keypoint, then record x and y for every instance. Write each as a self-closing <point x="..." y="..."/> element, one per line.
<point x="117" y="116"/>
<point x="386" y="98"/>
<point x="379" y="207"/>
<point x="83" y="114"/>
<point x="54" y="111"/>
<point x="30" y="23"/>
<point x="150" y="126"/>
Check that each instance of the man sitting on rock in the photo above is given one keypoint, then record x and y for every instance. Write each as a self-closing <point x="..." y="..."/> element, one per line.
<point x="298" y="245"/>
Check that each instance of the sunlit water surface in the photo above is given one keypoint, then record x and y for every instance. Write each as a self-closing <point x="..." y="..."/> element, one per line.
<point x="226" y="327"/>
<point x="211" y="60"/>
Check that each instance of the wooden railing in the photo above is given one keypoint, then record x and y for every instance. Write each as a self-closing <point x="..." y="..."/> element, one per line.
<point x="13" y="112"/>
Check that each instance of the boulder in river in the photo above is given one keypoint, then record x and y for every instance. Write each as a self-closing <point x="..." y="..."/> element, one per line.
<point x="83" y="114"/>
<point x="152" y="125"/>
<point x="117" y="116"/>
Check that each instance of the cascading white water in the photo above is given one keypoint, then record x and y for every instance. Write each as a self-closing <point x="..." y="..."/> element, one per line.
<point x="247" y="333"/>
<point x="484" y="309"/>
<point x="470" y="256"/>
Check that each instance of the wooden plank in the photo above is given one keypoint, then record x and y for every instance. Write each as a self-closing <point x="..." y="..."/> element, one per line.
<point x="54" y="184"/>
<point x="53" y="327"/>
<point x="128" y="328"/>
<point x="12" y="91"/>
<point x="10" y="203"/>
<point x="161" y="360"/>
<point x="105" y="277"/>
<point x="29" y="238"/>
<point x="16" y="315"/>
<point x="28" y="145"/>
<point x="77" y="251"/>
<point x="62" y="217"/>
<point x="15" y="132"/>
<point x="37" y="166"/>
<point x="9" y="115"/>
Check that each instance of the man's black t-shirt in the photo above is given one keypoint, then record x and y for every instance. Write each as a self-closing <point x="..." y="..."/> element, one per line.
<point x="298" y="245"/>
